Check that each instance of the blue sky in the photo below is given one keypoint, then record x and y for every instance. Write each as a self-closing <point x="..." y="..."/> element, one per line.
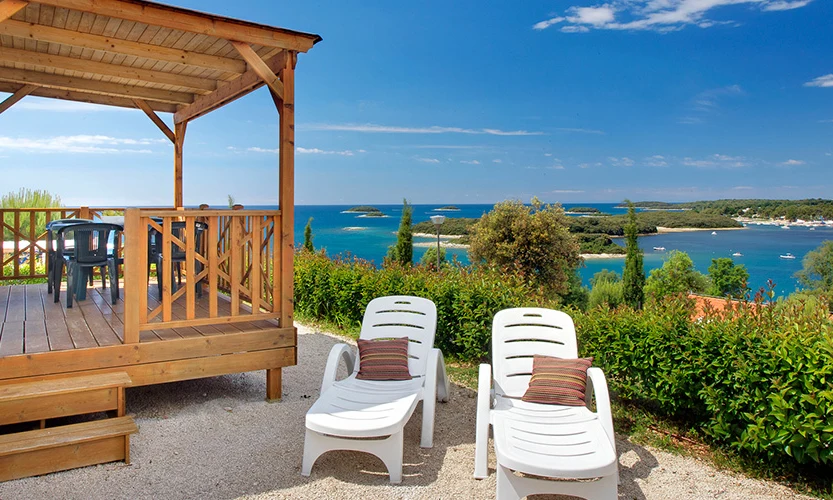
<point x="464" y="102"/>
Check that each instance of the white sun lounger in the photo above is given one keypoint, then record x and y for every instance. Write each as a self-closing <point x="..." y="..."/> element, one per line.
<point x="353" y="414"/>
<point x="558" y="444"/>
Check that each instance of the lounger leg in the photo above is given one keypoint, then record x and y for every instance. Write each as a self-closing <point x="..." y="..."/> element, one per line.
<point x="314" y="447"/>
<point x="507" y="487"/>
<point x="390" y="452"/>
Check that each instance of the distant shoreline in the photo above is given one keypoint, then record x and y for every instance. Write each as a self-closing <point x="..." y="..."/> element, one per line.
<point x="665" y="230"/>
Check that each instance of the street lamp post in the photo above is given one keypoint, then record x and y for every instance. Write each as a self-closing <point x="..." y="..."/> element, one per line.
<point x="438" y="221"/>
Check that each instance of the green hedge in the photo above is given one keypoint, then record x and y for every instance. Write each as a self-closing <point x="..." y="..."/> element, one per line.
<point x="758" y="380"/>
<point x="467" y="299"/>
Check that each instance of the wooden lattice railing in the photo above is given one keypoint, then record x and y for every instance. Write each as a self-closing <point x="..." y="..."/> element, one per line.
<point x="24" y="237"/>
<point x="238" y="254"/>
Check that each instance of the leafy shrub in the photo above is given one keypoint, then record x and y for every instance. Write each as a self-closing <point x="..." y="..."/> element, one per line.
<point x="677" y="275"/>
<point x="755" y="379"/>
<point x="429" y="258"/>
<point x="607" y="293"/>
<point x="466" y="298"/>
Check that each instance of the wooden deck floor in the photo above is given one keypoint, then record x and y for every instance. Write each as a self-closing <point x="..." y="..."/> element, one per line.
<point x="31" y="322"/>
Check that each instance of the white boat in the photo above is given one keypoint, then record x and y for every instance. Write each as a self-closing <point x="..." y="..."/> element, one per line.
<point x="788" y="256"/>
<point x="714" y="233"/>
<point x="737" y="254"/>
<point x="659" y="249"/>
<point x="785" y="227"/>
<point x="812" y="229"/>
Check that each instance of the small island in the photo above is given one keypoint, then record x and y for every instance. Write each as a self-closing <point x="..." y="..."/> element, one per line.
<point x="372" y="214"/>
<point x="584" y="210"/>
<point x="363" y="209"/>
<point x="447" y="208"/>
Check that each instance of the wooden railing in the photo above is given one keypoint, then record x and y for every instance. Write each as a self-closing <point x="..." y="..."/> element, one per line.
<point x="24" y="237"/>
<point x="239" y="256"/>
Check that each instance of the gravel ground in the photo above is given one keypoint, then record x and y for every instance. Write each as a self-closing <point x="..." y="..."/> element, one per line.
<point x="218" y="438"/>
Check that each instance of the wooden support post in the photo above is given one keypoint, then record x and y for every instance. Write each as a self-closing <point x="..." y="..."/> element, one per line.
<point x="287" y="189"/>
<point x="179" y="140"/>
<point x="155" y="119"/>
<point x="273" y="384"/>
<point x="135" y="255"/>
<point x="20" y="94"/>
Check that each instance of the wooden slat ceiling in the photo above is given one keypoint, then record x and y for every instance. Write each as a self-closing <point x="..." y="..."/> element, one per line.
<point x="115" y="52"/>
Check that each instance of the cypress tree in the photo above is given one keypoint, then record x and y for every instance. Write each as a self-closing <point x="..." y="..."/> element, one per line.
<point x="308" y="236"/>
<point x="633" y="277"/>
<point x="403" y="251"/>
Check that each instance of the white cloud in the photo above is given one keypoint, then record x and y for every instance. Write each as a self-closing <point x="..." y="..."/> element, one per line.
<point x="303" y="151"/>
<point x="822" y="81"/>
<point x="387" y="129"/>
<point x="91" y="144"/>
<point x="793" y="163"/>
<point x="656" y="15"/>
<point x="428" y="160"/>
<point x="742" y="188"/>
<point x="547" y="23"/>
<point x="557" y="167"/>
<point x="709" y="100"/>
<point x="547" y="154"/>
<point x="470" y="162"/>
<point x="316" y="151"/>
<point x="581" y="131"/>
<point x="567" y="191"/>
<point x="595" y="16"/>
<point x="786" y="5"/>
<point x="717" y="160"/>
<point x="621" y="162"/>
<point x="497" y="160"/>
<point x="655" y="161"/>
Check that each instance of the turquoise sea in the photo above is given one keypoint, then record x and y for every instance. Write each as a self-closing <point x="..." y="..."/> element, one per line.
<point x="369" y="238"/>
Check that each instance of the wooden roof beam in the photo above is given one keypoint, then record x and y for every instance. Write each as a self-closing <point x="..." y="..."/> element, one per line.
<point x="8" y="8"/>
<point x="18" y="95"/>
<point x="98" y="68"/>
<point x="98" y="87"/>
<point x="259" y="66"/>
<point x="74" y="95"/>
<point x="192" y="21"/>
<point x="235" y="89"/>
<point x="155" y="119"/>
<point x="43" y="33"/>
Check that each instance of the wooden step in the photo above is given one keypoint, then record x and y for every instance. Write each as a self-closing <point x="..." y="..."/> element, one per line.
<point x="43" y="451"/>
<point x="29" y="401"/>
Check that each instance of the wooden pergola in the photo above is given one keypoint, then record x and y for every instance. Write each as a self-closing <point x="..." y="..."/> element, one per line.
<point x="164" y="59"/>
<point x="152" y="57"/>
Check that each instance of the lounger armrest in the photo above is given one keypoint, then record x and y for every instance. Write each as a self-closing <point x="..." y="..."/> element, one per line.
<point x="597" y="378"/>
<point x="338" y="353"/>
<point x="484" y="408"/>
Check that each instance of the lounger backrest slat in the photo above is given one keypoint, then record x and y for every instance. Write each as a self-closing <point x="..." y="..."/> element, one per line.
<point x="403" y="316"/>
<point x="519" y="334"/>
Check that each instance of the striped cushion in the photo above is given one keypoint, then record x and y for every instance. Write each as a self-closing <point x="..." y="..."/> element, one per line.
<point x="557" y="381"/>
<point x="383" y="359"/>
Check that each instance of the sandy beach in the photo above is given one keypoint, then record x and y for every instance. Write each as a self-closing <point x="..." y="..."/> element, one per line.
<point x="442" y="236"/>
<point x="593" y="256"/>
